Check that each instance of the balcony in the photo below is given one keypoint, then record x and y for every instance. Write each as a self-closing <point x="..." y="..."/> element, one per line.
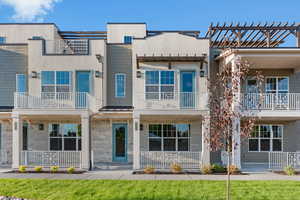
<point x="271" y="101"/>
<point x="51" y="100"/>
<point x="67" y="47"/>
<point x="171" y="101"/>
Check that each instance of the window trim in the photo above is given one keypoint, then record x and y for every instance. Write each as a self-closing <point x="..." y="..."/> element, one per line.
<point x="4" y="40"/>
<point x="55" y="81"/>
<point x="62" y="138"/>
<point x="116" y="85"/>
<point x="17" y="82"/>
<point x="127" y="36"/>
<point x="159" y="85"/>
<point x="176" y="137"/>
<point x="277" y="77"/>
<point x="270" y="138"/>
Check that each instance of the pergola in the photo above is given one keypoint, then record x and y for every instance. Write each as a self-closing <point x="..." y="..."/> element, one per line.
<point x="252" y="35"/>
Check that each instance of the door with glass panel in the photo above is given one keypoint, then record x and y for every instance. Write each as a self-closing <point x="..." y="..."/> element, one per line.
<point x="252" y="96"/>
<point x="82" y="88"/>
<point x="187" y="89"/>
<point x="277" y="89"/>
<point x="119" y="142"/>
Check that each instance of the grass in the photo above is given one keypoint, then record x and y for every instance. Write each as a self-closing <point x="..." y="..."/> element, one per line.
<point x="147" y="190"/>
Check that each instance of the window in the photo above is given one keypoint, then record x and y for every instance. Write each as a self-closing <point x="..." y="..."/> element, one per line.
<point x="2" y="40"/>
<point x="127" y="39"/>
<point x="0" y="136"/>
<point x="65" y="137"/>
<point x="120" y="82"/>
<point x="56" y="82"/>
<point x="169" y="137"/>
<point x="21" y="83"/>
<point x="266" y="138"/>
<point x="160" y="85"/>
<point x="277" y="85"/>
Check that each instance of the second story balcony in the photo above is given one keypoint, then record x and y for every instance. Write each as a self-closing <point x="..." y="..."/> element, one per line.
<point x="51" y="100"/>
<point x="171" y="101"/>
<point x="271" y="101"/>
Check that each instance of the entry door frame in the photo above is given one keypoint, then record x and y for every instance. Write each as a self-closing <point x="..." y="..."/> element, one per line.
<point x="182" y="96"/>
<point x="114" y="157"/>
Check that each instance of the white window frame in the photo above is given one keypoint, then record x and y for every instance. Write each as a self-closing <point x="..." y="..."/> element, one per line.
<point x="259" y="138"/>
<point x="62" y="138"/>
<point x="176" y="136"/>
<point x="159" y="86"/>
<point x="116" y="85"/>
<point x="276" y="90"/>
<point x="55" y="82"/>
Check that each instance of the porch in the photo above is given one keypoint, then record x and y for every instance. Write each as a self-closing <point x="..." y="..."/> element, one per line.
<point x="51" y="140"/>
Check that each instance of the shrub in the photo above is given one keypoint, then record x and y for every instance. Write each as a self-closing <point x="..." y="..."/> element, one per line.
<point x="54" y="169"/>
<point x="218" y="168"/>
<point x="233" y="169"/>
<point x="206" y="169"/>
<point x="22" y="168"/>
<point x="71" y="170"/>
<point x="176" y="168"/>
<point x="289" y="170"/>
<point x="149" y="170"/>
<point x="38" y="168"/>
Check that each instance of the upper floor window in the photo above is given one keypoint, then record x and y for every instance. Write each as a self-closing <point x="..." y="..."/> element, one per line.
<point x="56" y="81"/>
<point x="277" y="85"/>
<point x="127" y="39"/>
<point x="120" y="85"/>
<point x="160" y="84"/>
<point x="266" y="138"/>
<point x="2" y="40"/>
<point x="21" y="83"/>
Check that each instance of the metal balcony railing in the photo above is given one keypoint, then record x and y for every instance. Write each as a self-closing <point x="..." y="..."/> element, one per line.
<point x="59" y="100"/>
<point x="171" y="100"/>
<point x="271" y="101"/>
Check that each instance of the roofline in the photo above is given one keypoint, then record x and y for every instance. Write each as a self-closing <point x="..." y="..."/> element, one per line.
<point x="126" y="23"/>
<point x="231" y="51"/>
<point x="31" y="23"/>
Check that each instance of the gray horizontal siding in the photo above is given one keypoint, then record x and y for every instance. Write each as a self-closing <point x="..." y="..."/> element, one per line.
<point x="13" y="60"/>
<point x="119" y="61"/>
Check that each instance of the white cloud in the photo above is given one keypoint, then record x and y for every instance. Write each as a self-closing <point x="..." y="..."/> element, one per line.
<point x="30" y="10"/>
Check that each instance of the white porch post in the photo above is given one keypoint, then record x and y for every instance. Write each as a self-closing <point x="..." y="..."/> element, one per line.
<point x="236" y="143"/>
<point x="85" y="138"/>
<point x="205" y="160"/>
<point x="136" y="142"/>
<point x="17" y="126"/>
<point x="236" y="127"/>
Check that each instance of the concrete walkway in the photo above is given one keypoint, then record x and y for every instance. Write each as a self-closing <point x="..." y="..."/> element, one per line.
<point x="127" y="175"/>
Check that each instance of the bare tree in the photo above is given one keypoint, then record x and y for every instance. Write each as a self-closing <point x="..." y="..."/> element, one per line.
<point x="226" y="108"/>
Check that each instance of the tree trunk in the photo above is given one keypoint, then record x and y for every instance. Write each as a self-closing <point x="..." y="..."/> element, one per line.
<point x="228" y="172"/>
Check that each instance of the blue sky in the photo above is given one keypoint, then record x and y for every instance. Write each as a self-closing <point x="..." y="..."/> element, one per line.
<point x="158" y="14"/>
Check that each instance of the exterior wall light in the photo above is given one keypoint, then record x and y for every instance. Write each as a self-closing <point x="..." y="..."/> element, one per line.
<point x="139" y="74"/>
<point x="202" y="73"/>
<point x="98" y="74"/>
<point x="33" y="74"/>
<point x="99" y="58"/>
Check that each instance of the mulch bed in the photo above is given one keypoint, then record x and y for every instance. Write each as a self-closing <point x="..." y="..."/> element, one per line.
<point x="283" y="173"/>
<point x="45" y="172"/>
<point x="186" y="172"/>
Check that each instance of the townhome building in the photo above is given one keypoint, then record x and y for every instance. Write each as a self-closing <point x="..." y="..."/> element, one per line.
<point x="129" y="97"/>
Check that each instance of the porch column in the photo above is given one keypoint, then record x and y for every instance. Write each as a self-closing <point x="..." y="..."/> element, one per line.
<point x="236" y="143"/>
<point x="17" y="127"/>
<point x="85" y="141"/>
<point x="136" y="142"/>
<point x="205" y="160"/>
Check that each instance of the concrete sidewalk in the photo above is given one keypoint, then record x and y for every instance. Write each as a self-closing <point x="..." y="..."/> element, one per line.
<point x="127" y="175"/>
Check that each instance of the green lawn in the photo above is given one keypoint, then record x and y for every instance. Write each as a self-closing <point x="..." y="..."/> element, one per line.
<point x="158" y="190"/>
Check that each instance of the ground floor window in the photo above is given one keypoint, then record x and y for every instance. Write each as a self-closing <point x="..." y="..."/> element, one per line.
<point x="266" y="138"/>
<point x="169" y="137"/>
<point x="65" y="137"/>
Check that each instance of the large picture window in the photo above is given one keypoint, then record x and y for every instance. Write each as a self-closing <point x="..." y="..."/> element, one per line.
<point x="266" y="138"/>
<point x="56" y="82"/>
<point x="65" y="137"/>
<point x="160" y="85"/>
<point x="169" y="137"/>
